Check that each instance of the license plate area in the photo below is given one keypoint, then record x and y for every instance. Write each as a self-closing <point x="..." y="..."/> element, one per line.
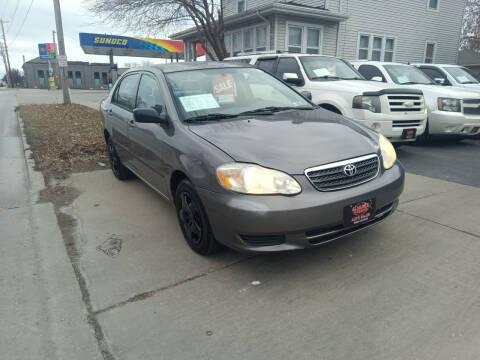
<point x="409" y="133"/>
<point x="358" y="213"/>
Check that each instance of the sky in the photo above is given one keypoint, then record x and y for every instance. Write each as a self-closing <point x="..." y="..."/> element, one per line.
<point x="39" y="22"/>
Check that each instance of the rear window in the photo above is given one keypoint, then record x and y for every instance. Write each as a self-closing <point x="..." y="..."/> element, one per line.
<point x="239" y="61"/>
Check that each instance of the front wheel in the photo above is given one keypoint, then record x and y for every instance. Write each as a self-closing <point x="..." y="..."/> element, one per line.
<point x="425" y="137"/>
<point x="193" y="220"/>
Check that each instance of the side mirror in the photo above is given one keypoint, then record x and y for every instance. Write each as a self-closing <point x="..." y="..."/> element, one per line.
<point x="440" y="81"/>
<point x="150" y="115"/>
<point x="306" y="94"/>
<point x="292" y="78"/>
<point x="377" y="78"/>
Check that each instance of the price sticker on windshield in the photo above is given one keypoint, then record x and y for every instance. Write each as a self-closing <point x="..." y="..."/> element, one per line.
<point x="224" y="89"/>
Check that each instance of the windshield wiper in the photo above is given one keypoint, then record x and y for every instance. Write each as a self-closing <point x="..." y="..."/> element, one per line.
<point x="410" y="83"/>
<point x="210" y="117"/>
<point x="354" y="78"/>
<point x="273" y="109"/>
<point x="325" y="77"/>
<point x="470" y="82"/>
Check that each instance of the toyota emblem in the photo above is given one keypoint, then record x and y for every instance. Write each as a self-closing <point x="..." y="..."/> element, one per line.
<point x="350" y="170"/>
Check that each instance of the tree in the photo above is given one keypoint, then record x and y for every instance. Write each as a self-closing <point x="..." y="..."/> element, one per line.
<point x="17" y="77"/>
<point x="471" y="26"/>
<point x="158" y="16"/>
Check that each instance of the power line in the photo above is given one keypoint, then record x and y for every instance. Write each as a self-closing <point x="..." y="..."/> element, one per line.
<point x="13" y="16"/>
<point x="23" y="23"/>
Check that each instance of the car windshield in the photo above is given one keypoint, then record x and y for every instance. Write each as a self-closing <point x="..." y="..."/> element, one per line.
<point x="225" y="93"/>
<point x="461" y="75"/>
<point x="324" y="68"/>
<point x="407" y="75"/>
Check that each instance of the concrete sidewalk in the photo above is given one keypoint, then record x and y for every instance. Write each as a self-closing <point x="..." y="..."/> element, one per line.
<point x="407" y="288"/>
<point x="41" y="309"/>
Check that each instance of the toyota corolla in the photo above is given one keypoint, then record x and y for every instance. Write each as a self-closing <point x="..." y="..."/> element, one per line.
<point x="247" y="161"/>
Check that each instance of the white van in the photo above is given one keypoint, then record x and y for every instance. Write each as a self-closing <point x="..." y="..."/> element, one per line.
<point x="336" y="86"/>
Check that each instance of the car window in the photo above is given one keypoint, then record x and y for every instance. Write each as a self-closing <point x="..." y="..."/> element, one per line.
<point x="149" y="94"/>
<point x="267" y="64"/>
<point x="435" y="74"/>
<point x="288" y="65"/>
<point x="125" y="95"/>
<point x="229" y="91"/>
<point x="407" y="75"/>
<point x="370" y="71"/>
<point x="461" y="75"/>
<point x="239" y="61"/>
<point x="324" y="68"/>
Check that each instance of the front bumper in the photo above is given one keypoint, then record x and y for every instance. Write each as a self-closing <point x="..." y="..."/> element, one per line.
<point x="453" y="123"/>
<point x="278" y="223"/>
<point x="391" y="125"/>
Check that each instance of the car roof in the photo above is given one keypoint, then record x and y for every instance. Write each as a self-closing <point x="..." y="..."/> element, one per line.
<point x="194" y="65"/>
<point x="381" y="63"/>
<point x="439" y="65"/>
<point x="256" y="56"/>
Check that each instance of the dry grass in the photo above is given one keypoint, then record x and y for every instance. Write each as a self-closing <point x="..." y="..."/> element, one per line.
<point x="64" y="138"/>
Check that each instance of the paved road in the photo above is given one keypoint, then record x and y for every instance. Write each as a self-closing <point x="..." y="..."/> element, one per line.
<point x="457" y="161"/>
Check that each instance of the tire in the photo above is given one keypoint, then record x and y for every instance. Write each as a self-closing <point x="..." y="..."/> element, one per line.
<point x="118" y="169"/>
<point x="193" y="220"/>
<point x="424" y="138"/>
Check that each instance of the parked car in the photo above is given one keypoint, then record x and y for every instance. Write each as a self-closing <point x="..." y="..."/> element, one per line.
<point x="246" y="160"/>
<point x="451" y="75"/>
<point x="451" y="110"/>
<point x="336" y="86"/>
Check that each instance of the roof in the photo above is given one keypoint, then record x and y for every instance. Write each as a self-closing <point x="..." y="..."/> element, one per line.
<point x="194" y="65"/>
<point x="287" y="8"/>
<point x="37" y="60"/>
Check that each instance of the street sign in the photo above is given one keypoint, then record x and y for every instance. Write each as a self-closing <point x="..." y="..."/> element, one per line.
<point x="62" y="60"/>
<point x="47" y="51"/>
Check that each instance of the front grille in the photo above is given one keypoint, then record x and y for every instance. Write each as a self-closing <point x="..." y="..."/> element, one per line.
<point x="263" y="240"/>
<point x="471" y="106"/>
<point x="406" y="123"/>
<point x="406" y="103"/>
<point x="332" y="176"/>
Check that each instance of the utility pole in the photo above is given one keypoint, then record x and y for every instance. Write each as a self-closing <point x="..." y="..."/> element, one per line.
<point x="61" y="50"/>
<point x="9" y="72"/>
<point x="57" y="70"/>
<point x="4" y="61"/>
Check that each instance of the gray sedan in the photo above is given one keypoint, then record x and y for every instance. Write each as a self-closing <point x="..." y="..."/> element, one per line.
<point x="247" y="161"/>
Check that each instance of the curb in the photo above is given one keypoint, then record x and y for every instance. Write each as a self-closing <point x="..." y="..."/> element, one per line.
<point x="35" y="178"/>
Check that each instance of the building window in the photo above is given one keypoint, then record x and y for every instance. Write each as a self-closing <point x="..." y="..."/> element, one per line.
<point x="96" y="78"/>
<point x="430" y="48"/>
<point x="41" y="78"/>
<point x="376" y="48"/>
<point x="241" y="6"/>
<point x="261" y="38"/>
<point x="304" y="39"/>
<point x="104" y="78"/>
<point x="70" y="78"/>
<point x="78" y="78"/>
<point x="433" y="4"/>
<point x="246" y="40"/>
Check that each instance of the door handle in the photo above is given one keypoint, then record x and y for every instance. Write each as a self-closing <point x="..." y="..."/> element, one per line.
<point x="131" y="123"/>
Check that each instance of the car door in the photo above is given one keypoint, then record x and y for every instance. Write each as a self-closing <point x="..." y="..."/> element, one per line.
<point x="121" y="115"/>
<point x="148" y="140"/>
<point x="290" y="65"/>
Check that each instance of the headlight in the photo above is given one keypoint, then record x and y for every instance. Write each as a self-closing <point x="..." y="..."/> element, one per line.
<point x="389" y="156"/>
<point x="254" y="179"/>
<point x="371" y="103"/>
<point x="449" y="104"/>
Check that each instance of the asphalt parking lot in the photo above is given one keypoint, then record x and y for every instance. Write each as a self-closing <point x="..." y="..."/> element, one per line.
<point x="408" y="288"/>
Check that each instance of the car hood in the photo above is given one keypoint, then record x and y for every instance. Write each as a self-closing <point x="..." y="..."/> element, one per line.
<point x="446" y="91"/>
<point x="475" y="87"/>
<point x="290" y="141"/>
<point x="355" y="87"/>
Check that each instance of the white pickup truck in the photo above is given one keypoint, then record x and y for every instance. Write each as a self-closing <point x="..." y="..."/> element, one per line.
<point x="451" y="110"/>
<point x="396" y="112"/>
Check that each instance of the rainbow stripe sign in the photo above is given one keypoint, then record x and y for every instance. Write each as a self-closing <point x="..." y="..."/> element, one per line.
<point x="131" y="45"/>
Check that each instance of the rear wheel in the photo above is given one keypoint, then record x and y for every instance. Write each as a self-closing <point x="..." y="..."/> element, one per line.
<point x="193" y="220"/>
<point x="118" y="169"/>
